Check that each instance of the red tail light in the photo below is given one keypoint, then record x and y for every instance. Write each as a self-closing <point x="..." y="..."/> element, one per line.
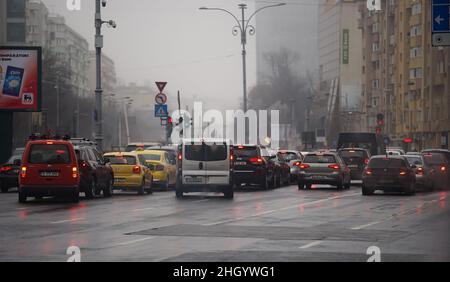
<point x="84" y="164"/>
<point x="5" y="168"/>
<point x="403" y="173"/>
<point x="257" y="161"/>
<point x="443" y="168"/>
<point x="23" y="172"/>
<point x="368" y="172"/>
<point x="74" y="172"/>
<point x="420" y="171"/>
<point x="137" y="169"/>
<point x="180" y="156"/>
<point x="297" y="163"/>
<point x="366" y="161"/>
<point x="304" y="166"/>
<point x="335" y="166"/>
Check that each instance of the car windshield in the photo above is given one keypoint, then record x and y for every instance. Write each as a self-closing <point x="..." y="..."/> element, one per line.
<point x="434" y="158"/>
<point x="386" y="163"/>
<point x="414" y="160"/>
<point x="151" y="157"/>
<point x="49" y="154"/>
<point x="320" y="159"/>
<point x="122" y="160"/>
<point x="288" y="156"/>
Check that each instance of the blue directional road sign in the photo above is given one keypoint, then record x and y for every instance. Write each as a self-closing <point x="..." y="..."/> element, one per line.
<point x="441" y="22"/>
<point x="161" y="111"/>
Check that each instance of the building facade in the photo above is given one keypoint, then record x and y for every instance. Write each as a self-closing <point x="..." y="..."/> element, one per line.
<point x="406" y="79"/>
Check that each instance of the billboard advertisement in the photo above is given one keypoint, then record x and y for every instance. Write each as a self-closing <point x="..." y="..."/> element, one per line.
<point x="20" y="79"/>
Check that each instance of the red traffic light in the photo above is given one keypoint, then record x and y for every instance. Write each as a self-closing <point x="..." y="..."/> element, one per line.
<point x="408" y="140"/>
<point x="378" y="131"/>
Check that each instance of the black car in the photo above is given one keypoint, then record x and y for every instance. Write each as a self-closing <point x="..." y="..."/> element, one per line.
<point x="253" y="164"/>
<point x="9" y="173"/>
<point x="389" y="174"/>
<point x="437" y="168"/>
<point x="96" y="175"/>
<point x="356" y="160"/>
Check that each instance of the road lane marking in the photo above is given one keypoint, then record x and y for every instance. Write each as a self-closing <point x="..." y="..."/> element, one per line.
<point x="365" y="225"/>
<point x="68" y="220"/>
<point x="144" y="209"/>
<point x="282" y="209"/>
<point x="134" y="241"/>
<point x="310" y="245"/>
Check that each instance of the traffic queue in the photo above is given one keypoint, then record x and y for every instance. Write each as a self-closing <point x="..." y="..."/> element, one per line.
<point x="52" y="166"/>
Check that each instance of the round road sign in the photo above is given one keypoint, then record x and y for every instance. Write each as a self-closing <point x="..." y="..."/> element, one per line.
<point x="161" y="99"/>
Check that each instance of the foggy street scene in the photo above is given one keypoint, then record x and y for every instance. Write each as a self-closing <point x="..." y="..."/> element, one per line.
<point x="225" y="131"/>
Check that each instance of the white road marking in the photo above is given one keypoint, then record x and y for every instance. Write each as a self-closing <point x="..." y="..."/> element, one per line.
<point x="282" y="209"/>
<point x="310" y="245"/>
<point x="68" y="220"/>
<point x="145" y="209"/>
<point x="365" y="225"/>
<point x="134" y="241"/>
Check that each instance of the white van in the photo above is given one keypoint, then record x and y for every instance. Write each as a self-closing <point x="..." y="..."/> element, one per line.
<point x="205" y="165"/>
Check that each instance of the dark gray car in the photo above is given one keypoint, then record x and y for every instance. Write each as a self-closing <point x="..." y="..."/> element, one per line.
<point x="324" y="168"/>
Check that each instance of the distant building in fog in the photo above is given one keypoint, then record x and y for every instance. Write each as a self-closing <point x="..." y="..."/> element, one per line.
<point x="292" y="27"/>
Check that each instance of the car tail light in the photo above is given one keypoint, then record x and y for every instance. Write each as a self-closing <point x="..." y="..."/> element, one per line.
<point x="74" y="172"/>
<point x="297" y="163"/>
<point x="159" y="168"/>
<point x="83" y="164"/>
<point x="335" y="166"/>
<point x="366" y="161"/>
<point x="443" y="168"/>
<point x="23" y="172"/>
<point x="403" y="172"/>
<point x="5" y="168"/>
<point x="257" y="161"/>
<point x="420" y="171"/>
<point x="368" y="172"/>
<point x="304" y="166"/>
<point x="137" y="169"/>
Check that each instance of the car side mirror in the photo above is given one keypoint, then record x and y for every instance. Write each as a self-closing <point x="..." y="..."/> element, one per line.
<point x="17" y="162"/>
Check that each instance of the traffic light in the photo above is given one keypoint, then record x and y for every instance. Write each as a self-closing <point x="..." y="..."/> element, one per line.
<point x="380" y="124"/>
<point x="169" y="129"/>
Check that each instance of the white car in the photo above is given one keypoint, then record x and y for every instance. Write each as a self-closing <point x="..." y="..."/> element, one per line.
<point x="205" y="165"/>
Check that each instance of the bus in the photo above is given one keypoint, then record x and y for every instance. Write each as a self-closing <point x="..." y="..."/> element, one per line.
<point x="369" y="141"/>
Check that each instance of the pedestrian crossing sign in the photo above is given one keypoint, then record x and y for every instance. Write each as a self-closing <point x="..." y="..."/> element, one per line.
<point x="161" y="111"/>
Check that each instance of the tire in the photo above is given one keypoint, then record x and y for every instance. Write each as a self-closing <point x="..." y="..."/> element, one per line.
<point x="75" y="198"/>
<point x="90" y="190"/>
<point x="166" y="185"/>
<point x="348" y="185"/>
<point x="141" y="189"/>
<point x="229" y="193"/>
<point x="178" y="193"/>
<point x="108" y="190"/>
<point x="150" y="188"/>
<point x="301" y="186"/>
<point x="278" y="183"/>
<point x="366" y="191"/>
<point x="22" y="198"/>
<point x="410" y="191"/>
<point x="265" y="185"/>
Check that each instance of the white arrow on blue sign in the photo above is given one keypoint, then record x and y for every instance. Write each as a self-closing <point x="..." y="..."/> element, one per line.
<point x="441" y="22"/>
<point x="161" y="111"/>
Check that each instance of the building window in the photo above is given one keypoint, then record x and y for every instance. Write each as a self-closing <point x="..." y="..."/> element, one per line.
<point x="415" y="73"/>
<point x="375" y="28"/>
<point x="416" y="9"/>
<point x="415" y="52"/>
<point x="15" y="8"/>
<point x="375" y="47"/>
<point x="16" y="32"/>
<point x="416" y="30"/>
<point x="441" y="67"/>
<point x="375" y="84"/>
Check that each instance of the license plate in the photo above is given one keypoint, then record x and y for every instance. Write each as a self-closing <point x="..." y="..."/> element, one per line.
<point x="241" y="163"/>
<point x="194" y="180"/>
<point x="49" y="174"/>
<point x="319" y="177"/>
<point x="119" y="180"/>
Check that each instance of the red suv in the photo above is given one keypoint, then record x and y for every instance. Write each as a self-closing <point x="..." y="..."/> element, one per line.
<point x="49" y="168"/>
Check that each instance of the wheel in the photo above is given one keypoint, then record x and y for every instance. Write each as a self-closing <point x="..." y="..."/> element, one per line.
<point x="308" y="186"/>
<point x="178" y="193"/>
<point x="367" y="191"/>
<point x="265" y="184"/>
<point x="141" y="189"/>
<point x="108" y="190"/>
<point x="229" y="193"/>
<point x="278" y="183"/>
<point x="301" y="186"/>
<point x="410" y="191"/>
<point x="75" y="196"/>
<point x="150" y="188"/>
<point x="347" y="186"/>
<point x="165" y="185"/>
<point x="22" y="198"/>
<point x="340" y="186"/>
<point x="4" y="189"/>
<point x="90" y="190"/>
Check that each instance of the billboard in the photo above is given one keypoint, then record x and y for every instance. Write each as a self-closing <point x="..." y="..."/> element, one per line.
<point x="20" y="79"/>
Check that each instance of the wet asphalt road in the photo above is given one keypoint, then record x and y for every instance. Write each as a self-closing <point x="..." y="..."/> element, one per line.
<point x="278" y="225"/>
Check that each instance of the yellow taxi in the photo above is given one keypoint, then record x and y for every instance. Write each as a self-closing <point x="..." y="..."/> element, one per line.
<point x="130" y="173"/>
<point x="163" y="168"/>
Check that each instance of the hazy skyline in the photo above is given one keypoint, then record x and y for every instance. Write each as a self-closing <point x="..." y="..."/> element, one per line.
<point x="171" y="40"/>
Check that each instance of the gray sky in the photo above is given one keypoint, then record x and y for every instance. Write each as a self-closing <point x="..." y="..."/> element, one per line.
<point x="171" y="40"/>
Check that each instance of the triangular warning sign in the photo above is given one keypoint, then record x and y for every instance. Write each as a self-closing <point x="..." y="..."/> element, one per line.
<point x="161" y="86"/>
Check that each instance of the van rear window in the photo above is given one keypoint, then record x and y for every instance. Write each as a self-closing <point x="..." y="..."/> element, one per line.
<point x="49" y="154"/>
<point x="206" y="153"/>
<point x="246" y="152"/>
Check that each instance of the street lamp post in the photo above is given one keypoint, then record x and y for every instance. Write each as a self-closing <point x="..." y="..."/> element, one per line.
<point x="243" y="28"/>
<point x="98" y="55"/>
